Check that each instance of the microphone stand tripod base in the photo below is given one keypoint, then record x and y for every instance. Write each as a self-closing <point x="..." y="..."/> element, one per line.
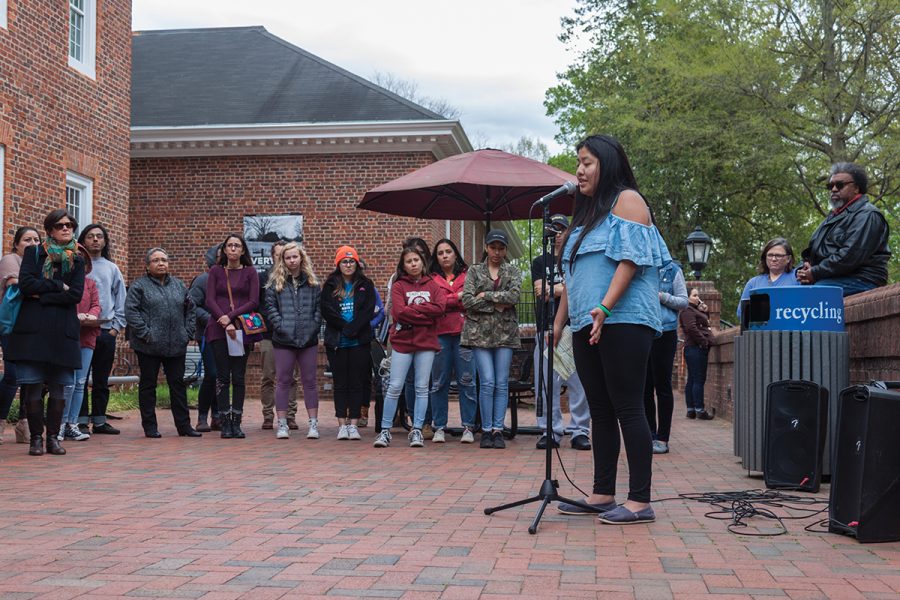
<point x="547" y="495"/>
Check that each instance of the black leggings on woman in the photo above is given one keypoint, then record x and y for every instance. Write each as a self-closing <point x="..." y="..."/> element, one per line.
<point x="612" y="373"/>
<point x="230" y="372"/>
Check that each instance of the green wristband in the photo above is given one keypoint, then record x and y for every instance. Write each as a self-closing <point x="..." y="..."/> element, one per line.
<point x="604" y="309"/>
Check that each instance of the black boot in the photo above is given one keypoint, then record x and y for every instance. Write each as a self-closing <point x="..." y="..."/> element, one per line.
<point x="37" y="445"/>
<point x="54" y="447"/>
<point x="30" y="396"/>
<point x="227" y="433"/>
<point x="236" y="430"/>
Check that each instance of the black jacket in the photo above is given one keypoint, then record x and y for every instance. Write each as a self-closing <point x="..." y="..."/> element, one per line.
<point x="294" y="314"/>
<point x="160" y="315"/>
<point x="197" y="292"/>
<point x="47" y="327"/>
<point x="853" y="242"/>
<point x="363" y="310"/>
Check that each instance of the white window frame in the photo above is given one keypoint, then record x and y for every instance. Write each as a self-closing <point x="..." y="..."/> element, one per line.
<point x="85" y="212"/>
<point x="3" y="11"/>
<point x="87" y="63"/>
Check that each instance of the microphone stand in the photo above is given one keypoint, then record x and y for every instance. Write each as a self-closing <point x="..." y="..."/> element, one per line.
<point x="548" y="492"/>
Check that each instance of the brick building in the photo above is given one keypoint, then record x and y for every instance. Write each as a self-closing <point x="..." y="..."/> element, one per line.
<point x="233" y="122"/>
<point x="65" y="71"/>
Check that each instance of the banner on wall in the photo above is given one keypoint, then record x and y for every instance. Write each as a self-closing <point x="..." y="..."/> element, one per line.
<point x="261" y="231"/>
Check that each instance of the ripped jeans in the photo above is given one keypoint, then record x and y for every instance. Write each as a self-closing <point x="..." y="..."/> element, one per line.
<point x="453" y="359"/>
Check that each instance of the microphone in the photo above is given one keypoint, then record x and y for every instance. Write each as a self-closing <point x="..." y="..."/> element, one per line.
<point x="566" y="189"/>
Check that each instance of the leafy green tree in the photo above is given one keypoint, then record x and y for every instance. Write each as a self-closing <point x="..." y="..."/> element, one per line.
<point x="726" y="112"/>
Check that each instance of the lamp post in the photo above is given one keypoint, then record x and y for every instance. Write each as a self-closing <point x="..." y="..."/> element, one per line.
<point x="698" y="245"/>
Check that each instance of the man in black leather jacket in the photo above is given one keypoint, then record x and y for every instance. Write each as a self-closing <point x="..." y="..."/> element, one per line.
<point x="850" y="248"/>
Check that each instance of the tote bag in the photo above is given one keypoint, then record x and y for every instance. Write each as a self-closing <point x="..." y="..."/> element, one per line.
<point x="9" y="309"/>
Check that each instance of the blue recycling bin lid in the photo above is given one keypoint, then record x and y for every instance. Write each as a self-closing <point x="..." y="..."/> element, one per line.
<point x="797" y="308"/>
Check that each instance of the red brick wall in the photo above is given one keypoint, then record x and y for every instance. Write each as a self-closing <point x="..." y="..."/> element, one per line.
<point x="53" y="118"/>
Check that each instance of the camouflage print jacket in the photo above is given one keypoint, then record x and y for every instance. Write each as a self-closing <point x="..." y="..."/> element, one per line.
<point x="485" y="326"/>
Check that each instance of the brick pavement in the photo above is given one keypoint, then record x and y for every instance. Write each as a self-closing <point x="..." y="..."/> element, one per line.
<point x="124" y="516"/>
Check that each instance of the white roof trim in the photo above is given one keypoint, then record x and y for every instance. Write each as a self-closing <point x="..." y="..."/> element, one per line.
<point x="441" y="138"/>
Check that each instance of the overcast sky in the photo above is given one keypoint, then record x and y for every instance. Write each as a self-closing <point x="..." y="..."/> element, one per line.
<point x="492" y="59"/>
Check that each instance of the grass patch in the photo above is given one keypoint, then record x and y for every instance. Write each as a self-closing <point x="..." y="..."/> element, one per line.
<point x="123" y="398"/>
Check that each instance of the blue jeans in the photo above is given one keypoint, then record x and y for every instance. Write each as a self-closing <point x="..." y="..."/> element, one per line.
<point x="696" y="359"/>
<point x="493" y="365"/>
<point x="400" y="364"/>
<point x="75" y="393"/>
<point x="453" y="358"/>
<point x="851" y="285"/>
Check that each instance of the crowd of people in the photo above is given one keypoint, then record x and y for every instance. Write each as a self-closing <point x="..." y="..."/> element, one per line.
<point x="615" y="286"/>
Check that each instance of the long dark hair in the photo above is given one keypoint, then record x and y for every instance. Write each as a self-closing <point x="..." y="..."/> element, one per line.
<point x="419" y="243"/>
<point x="245" y="257"/>
<point x="412" y="249"/>
<point x="105" y="252"/>
<point x="458" y="267"/>
<point x="616" y="176"/>
<point x="20" y="233"/>
<point x="336" y="279"/>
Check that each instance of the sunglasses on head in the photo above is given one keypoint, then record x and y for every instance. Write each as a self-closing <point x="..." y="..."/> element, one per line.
<point x="837" y="184"/>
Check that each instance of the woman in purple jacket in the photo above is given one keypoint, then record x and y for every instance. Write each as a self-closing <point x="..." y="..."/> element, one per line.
<point x="231" y="290"/>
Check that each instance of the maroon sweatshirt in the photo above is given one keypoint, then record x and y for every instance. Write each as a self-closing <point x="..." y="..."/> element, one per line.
<point x="416" y="305"/>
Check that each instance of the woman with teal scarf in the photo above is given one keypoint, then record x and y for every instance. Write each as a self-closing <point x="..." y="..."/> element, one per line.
<point x="45" y="339"/>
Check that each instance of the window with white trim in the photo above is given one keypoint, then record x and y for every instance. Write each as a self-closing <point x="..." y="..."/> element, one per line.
<point x="3" y="10"/>
<point x="79" y="198"/>
<point x="83" y="35"/>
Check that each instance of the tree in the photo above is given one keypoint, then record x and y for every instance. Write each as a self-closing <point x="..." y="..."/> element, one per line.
<point x="723" y="115"/>
<point x="409" y="89"/>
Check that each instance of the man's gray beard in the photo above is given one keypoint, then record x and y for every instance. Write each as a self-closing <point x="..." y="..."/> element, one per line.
<point x="835" y="205"/>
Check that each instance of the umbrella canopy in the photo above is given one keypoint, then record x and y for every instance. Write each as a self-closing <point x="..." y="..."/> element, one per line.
<point x="487" y="185"/>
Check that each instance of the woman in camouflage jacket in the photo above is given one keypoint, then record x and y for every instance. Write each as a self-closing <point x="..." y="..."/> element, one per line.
<point x="490" y="295"/>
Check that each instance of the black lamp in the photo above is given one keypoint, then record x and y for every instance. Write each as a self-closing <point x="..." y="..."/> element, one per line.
<point x="698" y="245"/>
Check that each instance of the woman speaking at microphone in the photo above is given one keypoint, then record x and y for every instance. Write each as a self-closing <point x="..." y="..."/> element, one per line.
<point x="611" y="258"/>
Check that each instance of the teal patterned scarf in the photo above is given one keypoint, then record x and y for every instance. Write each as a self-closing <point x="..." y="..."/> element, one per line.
<point x="61" y="255"/>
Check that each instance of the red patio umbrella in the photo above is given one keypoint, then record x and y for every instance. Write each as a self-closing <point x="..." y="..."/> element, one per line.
<point x="484" y="184"/>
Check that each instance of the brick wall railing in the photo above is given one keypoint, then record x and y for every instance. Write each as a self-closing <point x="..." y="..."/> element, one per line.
<point x="873" y="325"/>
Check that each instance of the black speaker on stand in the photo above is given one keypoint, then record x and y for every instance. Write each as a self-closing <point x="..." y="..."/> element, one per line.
<point x="865" y="483"/>
<point x="796" y="422"/>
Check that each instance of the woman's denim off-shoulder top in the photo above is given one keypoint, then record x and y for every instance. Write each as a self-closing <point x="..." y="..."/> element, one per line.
<point x="611" y="241"/>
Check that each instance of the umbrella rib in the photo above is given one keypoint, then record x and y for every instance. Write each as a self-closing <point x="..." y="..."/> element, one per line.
<point x="451" y="193"/>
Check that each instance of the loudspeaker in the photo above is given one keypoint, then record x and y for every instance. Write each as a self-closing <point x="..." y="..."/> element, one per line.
<point x="865" y="482"/>
<point x="796" y="421"/>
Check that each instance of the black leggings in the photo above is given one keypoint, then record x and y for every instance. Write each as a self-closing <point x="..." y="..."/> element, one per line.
<point x="350" y="367"/>
<point x="230" y="371"/>
<point x="659" y="378"/>
<point x="612" y="373"/>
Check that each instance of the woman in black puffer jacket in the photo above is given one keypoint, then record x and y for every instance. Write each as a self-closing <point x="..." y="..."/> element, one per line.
<point x="292" y="307"/>
<point x="161" y="320"/>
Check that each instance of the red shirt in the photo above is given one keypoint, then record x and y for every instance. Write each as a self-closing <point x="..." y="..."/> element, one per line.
<point x="454" y="314"/>
<point x="416" y="306"/>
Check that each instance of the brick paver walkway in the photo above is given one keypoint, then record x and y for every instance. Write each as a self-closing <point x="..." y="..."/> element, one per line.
<point x="125" y="516"/>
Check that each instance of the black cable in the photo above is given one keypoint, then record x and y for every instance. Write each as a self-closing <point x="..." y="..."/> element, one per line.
<point x="738" y="507"/>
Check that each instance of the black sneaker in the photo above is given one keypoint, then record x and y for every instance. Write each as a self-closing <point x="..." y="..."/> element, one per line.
<point x="704" y="416"/>
<point x="542" y="443"/>
<point x="487" y="439"/>
<point x="105" y="428"/>
<point x="84" y="427"/>
<point x="691" y="414"/>
<point x="499" y="442"/>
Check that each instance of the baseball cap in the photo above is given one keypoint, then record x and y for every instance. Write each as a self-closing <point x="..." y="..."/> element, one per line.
<point x="496" y="235"/>
<point x="346" y="252"/>
<point x="559" y="221"/>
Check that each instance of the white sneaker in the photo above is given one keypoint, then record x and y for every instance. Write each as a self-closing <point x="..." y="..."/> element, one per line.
<point x="313" y="433"/>
<point x="343" y="433"/>
<point x="438" y="437"/>
<point x="416" y="440"/>
<point x="283" y="431"/>
<point x="467" y="436"/>
<point x="383" y="440"/>
<point x="353" y="432"/>
<point x="73" y="433"/>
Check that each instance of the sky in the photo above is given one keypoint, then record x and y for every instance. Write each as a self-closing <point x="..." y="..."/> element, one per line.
<point x="492" y="59"/>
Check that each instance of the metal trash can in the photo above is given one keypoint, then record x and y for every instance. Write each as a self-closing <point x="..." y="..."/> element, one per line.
<point x="790" y="333"/>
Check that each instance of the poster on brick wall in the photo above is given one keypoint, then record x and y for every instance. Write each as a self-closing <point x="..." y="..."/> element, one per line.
<point x="261" y="231"/>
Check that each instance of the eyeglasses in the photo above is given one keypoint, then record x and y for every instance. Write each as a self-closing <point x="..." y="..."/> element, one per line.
<point x="348" y="262"/>
<point x="837" y="184"/>
<point x="233" y="245"/>
<point x="64" y="225"/>
<point x="775" y="256"/>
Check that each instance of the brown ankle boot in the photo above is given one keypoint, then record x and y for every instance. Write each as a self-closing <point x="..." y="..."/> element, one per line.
<point x="37" y="445"/>
<point x="54" y="447"/>
<point x="363" y="416"/>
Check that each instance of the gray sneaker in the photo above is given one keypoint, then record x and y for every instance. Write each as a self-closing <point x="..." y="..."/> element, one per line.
<point x="660" y="447"/>
<point x="383" y="440"/>
<point x="73" y="433"/>
<point x="416" y="440"/>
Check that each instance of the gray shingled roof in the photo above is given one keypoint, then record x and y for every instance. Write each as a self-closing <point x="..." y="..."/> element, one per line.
<point x="244" y="76"/>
